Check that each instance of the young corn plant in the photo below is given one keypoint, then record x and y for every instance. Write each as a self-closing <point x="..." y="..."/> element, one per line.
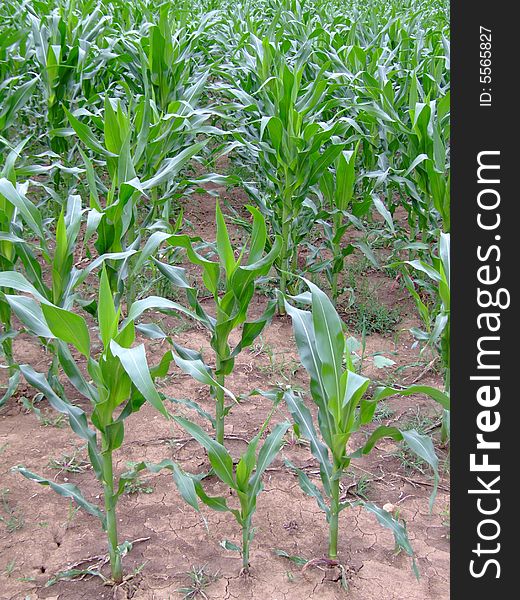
<point x="173" y="61"/>
<point x="338" y="392"/>
<point x="245" y="479"/>
<point x="120" y="383"/>
<point x="231" y="284"/>
<point x="26" y="256"/>
<point x="433" y="277"/>
<point x="338" y="212"/>
<point x="291" y="143"/>
<point x="19" y="221"/>
<point x="135" y="150"/>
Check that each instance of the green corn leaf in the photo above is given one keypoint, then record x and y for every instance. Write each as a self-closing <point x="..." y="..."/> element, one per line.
<point x="68" y="326"/>
<point x="86" y="136"/>
<point x="211" y="270"/>
<point x="224" y="248"/>
<point x="246" y="464"/>
<point x="441" y="397"/>
<point x="267" y="454"/>
<point x="252" y="329"/>
<point x="193" y="406"/>
<point x="77" y="417"/>
<point x="107" y="315"/>
<point x="74" y="374"/>
<point x="175" y="275"/>
<point x="113" y="436"/>
<point x="10" y="237"/>
<point x="185" y="486"/>
<point x="135" y="364"/>
<point x="220" y="459"/>
<point x="171" y="166"/>
<point x="156" y="303"/>
<point x="421" y="445"/>
<point x="323" y="161"/>
<point x="297" y="560"/>
<point x="199" y="371"/>
<point x="345" y="178"/>
<point x="152" y="331"/>
<point x="215" y="502"/>
<point x="258" y="235"/>
<point x="330" y="344"/>
<point x="30" y="314"/>
<point x="12" y="386"/>
<point x="113" y="141"/>
<point x="68" y="490"/>
<point x="227" y="545"/>
<point x="27" y="209"/>
<point x="84" y="273"/>
<point x="303" y="418"/>
<point x="356" y="386"/>
<point x="397" y="528"/>
<point x="15" y="102"/>
<point x="152" y="243"/>
<point x="309" y="488"/>
<point x="306" y="343"/>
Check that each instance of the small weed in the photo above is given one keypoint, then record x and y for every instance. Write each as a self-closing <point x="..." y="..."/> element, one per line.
<point x="366" y="313"/>
<point x="423" y="424"/>
<point x="294" y="438"/>
<point x="356" y="269"/>
<point x="69" y="462"/>
<point x="182" y="326"/>
<point x="372" y="316"/>
<point x="138" y="486"/>
<point x="383" y="412"/>
<point x="10" y="567"/>
<point x="71" y="514"/>
<point x="199" y="581"/>
<point x="446" y="520"/>
<point x="12" y="519"/>
<point x="278" y="365"/>
<point x="445" y="465"/>
<point x="26" y="579"/>
<point x="410" y="461"/>
<point x="397" y="375"/>
<point x="152" y="283"/>
<point x="360" y="487"/>
<point x="44" y="419"/>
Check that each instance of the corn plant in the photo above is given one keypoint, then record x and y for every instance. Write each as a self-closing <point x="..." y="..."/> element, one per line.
<point x="172" y="61"/>
<point x="339" y="210"/>
<point x="245" y="479"/>
<point x="136" y="151"/>
<point x="26" y="256"/>
<point x="426" y="163"/>
<point x="291" y="143"/>
<point x="338" y="392"/>
<point x="16" y="214"/>
<point x="435" y="316"/>
<point x="231" y="283"/>
<point x="119" y="377"/>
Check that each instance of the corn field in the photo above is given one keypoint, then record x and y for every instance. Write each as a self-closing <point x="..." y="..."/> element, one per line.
<point x="224" y="299"/>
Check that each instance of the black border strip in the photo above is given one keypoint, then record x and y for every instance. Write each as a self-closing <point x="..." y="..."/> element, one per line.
<point x="476" y="129"/>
